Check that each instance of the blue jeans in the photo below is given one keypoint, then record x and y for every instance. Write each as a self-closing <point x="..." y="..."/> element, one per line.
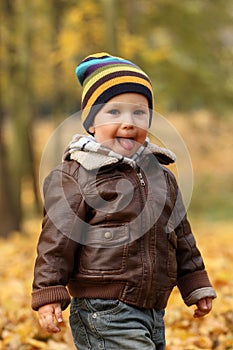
<point x="100" y="324"/>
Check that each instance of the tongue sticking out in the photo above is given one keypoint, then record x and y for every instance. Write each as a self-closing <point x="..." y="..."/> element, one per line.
<point x="127" y="144"/>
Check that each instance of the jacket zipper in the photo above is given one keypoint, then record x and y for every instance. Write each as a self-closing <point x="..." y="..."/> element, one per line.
<point x="142" y="182"/>
<point x="146" y="243"/>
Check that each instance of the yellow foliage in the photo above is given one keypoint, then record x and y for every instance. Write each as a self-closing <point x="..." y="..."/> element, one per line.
<point x="214" y="331"/>
<point x="19" y="328"/>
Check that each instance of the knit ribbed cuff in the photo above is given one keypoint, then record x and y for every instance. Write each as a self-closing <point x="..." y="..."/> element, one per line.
<point x="200" y="294"/>
<point x="193" y="281"/>
<point x="50" y="295"/>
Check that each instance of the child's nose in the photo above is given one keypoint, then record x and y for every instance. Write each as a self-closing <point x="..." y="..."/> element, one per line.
<point x="128" y="120"/>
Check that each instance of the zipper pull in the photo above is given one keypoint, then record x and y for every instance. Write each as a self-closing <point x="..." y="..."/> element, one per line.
<point x="139" y="174"/>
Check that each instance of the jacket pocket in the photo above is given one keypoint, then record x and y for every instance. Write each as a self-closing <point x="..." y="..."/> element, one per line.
<point x="107" y="236"/>
<point x="172" y="260"/>
<point x="106" y="250"/>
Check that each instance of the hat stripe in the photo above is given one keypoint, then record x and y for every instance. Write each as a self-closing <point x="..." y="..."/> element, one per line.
<point x="111" y="79"/>
<point x="113" y="82"/>
<point x="81" y="69"/>
<point x="102" y="71"/>
<point x="96" y="67"/>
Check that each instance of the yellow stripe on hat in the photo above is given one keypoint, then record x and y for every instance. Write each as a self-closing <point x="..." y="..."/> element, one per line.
<point x="97" y="55"/>
<point x="113" y="82"/>
<point x="103" y="71"/>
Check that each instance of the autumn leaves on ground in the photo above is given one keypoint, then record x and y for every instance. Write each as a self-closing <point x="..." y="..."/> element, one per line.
<point x="18" y="324"/>
<point x="19" y="329"/>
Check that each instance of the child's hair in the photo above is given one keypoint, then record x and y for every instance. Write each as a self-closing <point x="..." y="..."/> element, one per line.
<point x="103" y="77"/>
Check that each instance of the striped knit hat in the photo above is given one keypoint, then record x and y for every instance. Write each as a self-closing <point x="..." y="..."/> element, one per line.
<point x="103" y="77"/>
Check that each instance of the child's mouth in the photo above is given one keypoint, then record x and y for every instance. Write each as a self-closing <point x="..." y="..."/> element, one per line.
<point x="126" y="143"/>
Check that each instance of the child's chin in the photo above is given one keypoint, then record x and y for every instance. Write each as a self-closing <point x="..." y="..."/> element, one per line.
<point x="121" y="150"/>
<point x="126" y="153"/>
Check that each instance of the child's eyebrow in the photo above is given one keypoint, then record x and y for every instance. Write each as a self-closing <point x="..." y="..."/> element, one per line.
<point x="113" y="104"/>
<point x="136" y="105"/>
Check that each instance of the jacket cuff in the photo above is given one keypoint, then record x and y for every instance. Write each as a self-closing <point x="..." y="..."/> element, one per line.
<point x="50" y="295"/>
<point x="192" y="282"/>
<point x="200" y="294"/>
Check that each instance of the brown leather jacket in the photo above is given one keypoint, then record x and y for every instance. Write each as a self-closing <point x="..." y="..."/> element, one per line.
<point x="116" y="231"/>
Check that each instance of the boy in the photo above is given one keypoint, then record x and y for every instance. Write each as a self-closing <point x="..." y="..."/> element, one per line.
<point x="115" y="229"/>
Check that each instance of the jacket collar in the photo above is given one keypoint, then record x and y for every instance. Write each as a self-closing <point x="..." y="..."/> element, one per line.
<point x="92" y="155"/>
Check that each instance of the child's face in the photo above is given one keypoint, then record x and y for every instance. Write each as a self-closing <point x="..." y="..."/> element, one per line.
<point x="122" y="123"/>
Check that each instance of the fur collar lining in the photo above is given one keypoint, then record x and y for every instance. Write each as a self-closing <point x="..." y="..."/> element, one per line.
<point x="92" y="155"/>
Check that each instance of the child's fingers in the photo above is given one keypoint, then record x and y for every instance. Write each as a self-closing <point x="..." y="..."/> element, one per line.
<point x="47" y="323"/>
<point x="204" y="306"/>
<point x="199" y="313"/>
<point x="46" y="318"/>
<point x="209" y="303"/>
<point x="58" y="313"/>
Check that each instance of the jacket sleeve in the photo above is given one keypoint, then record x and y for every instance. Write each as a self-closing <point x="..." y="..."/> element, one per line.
<point x="193" y="280"/>
<point x="56" y="246"/>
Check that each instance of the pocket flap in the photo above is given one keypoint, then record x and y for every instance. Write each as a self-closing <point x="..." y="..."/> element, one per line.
<point x="107" y="236"/>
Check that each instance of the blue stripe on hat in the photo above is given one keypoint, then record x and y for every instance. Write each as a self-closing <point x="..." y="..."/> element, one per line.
<point x="81" y="69"/>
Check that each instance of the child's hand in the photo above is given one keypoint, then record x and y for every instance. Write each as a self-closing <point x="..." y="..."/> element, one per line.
<point x="204" y="306"/>
<point x="46" y="317"/>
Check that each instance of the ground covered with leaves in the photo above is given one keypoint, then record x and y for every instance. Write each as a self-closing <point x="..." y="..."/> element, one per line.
<point x="19" y="329"/>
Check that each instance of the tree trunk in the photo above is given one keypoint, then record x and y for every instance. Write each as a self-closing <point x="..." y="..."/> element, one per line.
<point x="17" y="151"/>
<point x="8" y="219"/>
<point x="110" y="9"/>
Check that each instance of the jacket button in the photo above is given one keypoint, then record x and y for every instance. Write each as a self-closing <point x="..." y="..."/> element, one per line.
<point x="108" y="235"/>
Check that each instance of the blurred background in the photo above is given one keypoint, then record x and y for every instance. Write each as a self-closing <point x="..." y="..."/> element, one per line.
<point x="186" y="47"/>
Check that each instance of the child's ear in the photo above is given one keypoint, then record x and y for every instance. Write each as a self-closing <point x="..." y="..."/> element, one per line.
<point x="91" y="130"/>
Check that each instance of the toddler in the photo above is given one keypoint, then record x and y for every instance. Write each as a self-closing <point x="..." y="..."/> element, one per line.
<point x="115" y="231"/>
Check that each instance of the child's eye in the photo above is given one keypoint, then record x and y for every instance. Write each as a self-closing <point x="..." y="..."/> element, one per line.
<point x="139" y="112"/>
<point x="114" y="111"/>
